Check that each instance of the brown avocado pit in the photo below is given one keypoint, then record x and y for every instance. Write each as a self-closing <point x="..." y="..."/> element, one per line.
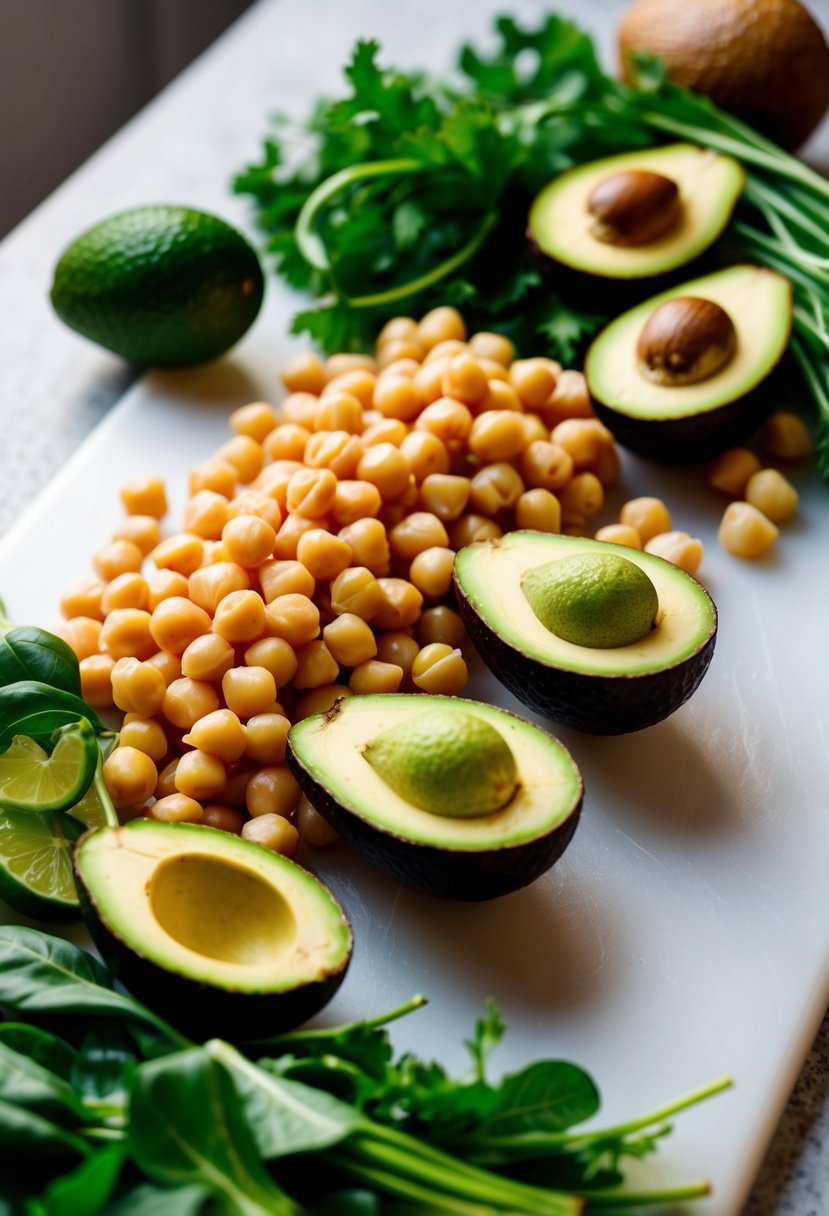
<point x="686" y="340"/>
<point x="634" y="207"/>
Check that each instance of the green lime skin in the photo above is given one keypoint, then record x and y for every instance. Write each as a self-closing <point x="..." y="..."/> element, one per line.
<point x="596" y="600"/>
<point x="446" y="762"/>
<point x="161" y="286"/>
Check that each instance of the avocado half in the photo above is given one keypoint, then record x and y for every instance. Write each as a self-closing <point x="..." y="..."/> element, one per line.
<point x="561" y="226"/>
<point x="694" y="421"/>
<point x="211" y="931"/>
<point x="604" y="691"/>
<point x="458" y="858"/>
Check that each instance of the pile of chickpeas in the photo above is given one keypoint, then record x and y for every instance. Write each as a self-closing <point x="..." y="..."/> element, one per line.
<point x="315" y="560"/>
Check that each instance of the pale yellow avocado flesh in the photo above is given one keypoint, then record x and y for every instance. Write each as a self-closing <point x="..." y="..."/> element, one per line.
<point x="330" y="747"/>
<point x="491" y="575"/>
<point x="196" y="904"/>
<point x="757" y="300"/>
<point x="709" y="186"/>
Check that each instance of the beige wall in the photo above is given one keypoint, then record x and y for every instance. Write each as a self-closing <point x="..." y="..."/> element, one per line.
<point x="73" y="71"/>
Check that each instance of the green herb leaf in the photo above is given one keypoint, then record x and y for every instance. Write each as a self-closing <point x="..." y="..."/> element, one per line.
<point x="51" y="1052"/>
<point x="32" y="708"/>
<point x="146" y="1199"/>
<point x="86" y="1190"/>
<point x="29" y="1134"/>
<point x="29" y="653"/>
<point x="27" y="1084"/>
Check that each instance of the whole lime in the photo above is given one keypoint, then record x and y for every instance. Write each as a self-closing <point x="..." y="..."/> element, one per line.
<point x="593" y="599"/>
<point x="447" y="762"/>
<point x="162" y="286"/>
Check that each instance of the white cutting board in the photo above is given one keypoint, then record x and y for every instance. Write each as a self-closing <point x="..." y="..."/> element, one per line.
<point x="684" y="934"/>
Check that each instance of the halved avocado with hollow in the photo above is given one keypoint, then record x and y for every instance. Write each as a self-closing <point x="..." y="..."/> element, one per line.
<point x="601" y="689"/>
<point x="681" y="376"/>
<point x="444" y="850"/>
<point x="636" y="215"/>
<point x="215" y="933"/>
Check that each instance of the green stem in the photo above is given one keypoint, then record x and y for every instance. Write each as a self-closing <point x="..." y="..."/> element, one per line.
<point x="301" y="1037"/>
<point x="104" y="1133"/>
<point x="632" y="1199"/>
<point x="771" y="202"/>
<point x="393" y="1184"/>
<point x="310" y="243"/>
<point x="110" y="813"/>
<point x="5" y="623"/>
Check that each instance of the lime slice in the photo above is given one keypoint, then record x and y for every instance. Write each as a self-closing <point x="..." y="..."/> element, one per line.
<point x="33" y="780"/>
<point x="36" y="858"/>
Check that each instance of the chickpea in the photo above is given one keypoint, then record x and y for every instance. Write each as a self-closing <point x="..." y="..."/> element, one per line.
<point x="440" y="325"/>
<point x="492" y="346"/>
<point x="375" y="676"/>
<point x="245" y="454"/>
<point x="400" y="604"/>
<point x="248" y="690"/>
<point x="427" y="455"/>
<point x="338" y="411"/>
<point x="272" y="791"/>
<point x="287" y="538"/>
<point x="266" y="737"/>
<point x="369" y="544"/>
<point x="311" y="492"/>
<point x="248" y="540"/>
<point x="534" y="380"/>
<point x="338" y="451"/>
<point x="495" y="488"/>
<point x="257" y="420"/>
<point x="339" y="364"/>
<point x="569" y="399"/>
<point x="163" y="585"/>
<point x="538" y="509"/>
<point x="130" y="777"/>
<point x="731" y="470"/>
<point x="500" y="395"/>
<point x="143" y="530"/>
<point x="118" y="557"/>
<point x="445" y="495"/>
<point x="387" y="430"/>
<point x="354" y="500"/>
<point x="84" y="600"/>
<point x="168" y="664"/>
<point x="137" y="687"/>
<point x="96" y="680"/>
<point x="300" y="409"/>
<point x="440" y="669"/>
<point x="398" y="350"/>
<point x="464" y="379"/>
<point x="83" y="634"/>
<point x="183" y="553"/>
<point x="240" y="617"/>
<point x="773" y="494"/>
<point x="276" y="656"/>
<point x="387" y="468"/>
<point x="350" y="640"/>
<point x="287" y="442"/>
<point x="177" y="808"/>
<point x="620" y="534"/>
<point x="355" y="591"/>
<point x="649" y="516"/>
<point x="200" y="775"/>
<point x="285" y="577"/>
<point x="224" y="818"/>
<point x="440" y="624"/>
<point x="546" y="466"/>
<point x="145" y="496"/>
<point x="431" y="572"/>
<point x="295" y="618"/>
<point x="188" y="700"/>
<point x="428" y="381"/>
<point x="166" y="784"/>
<point x="177" y="622"/>
<point x="315" y="665"/>
<point x="125" y="633"/>
<point x="272" y="832"/>
<point x="446" y="418"/>
<point x="583" y="438"/>
<point x="784" y="437"/>
<point x="472" y="527"/>
<point x="312" y="828"/>
<point x="323" y="555"/>
<point x="255" y="502"/>
<point x="397" y="329"/>
<point x="220" y="734"/>
<point x="746" y="532"/>
<point x="582" y="498"/>
<point x="397" y="398"/>
<point x="678" y="548"/>
<point x="418" y="531"/>
<point x="145" y="735"/>
<point x="497" y="435"/>
<point x="214" y="474"/>
<point x="207" y="657"/>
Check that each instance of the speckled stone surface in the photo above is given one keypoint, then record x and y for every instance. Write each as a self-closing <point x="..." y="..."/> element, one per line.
<point x="55" y="388"/>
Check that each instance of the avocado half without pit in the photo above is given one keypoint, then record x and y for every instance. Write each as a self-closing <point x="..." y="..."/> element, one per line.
<point x="217" y="934"/>
<point x="685" y="374"/>
<point x="598" y="636"/>
<point x="453" y="797"/>
<point x="637" y="215"/>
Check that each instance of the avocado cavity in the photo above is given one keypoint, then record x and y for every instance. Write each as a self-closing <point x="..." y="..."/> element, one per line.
<point x="593" y="599"/>
<point x="446" y="762"/>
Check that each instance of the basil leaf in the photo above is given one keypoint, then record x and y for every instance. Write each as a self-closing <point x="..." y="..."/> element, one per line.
<point x="549" y="1096"/>
<point x="86" y="1189"/>
<point x="34" y="709"/>
<point x="27" y="1084"/>
<point x="32" y="1134"/>
<point x="29" y="653"/>
<point x="149" y="1200"/>
<point x="47" y="1049"/>
<point x="187" y="1125"/>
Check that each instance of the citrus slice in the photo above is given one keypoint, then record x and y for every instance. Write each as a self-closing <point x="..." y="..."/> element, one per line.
<point x="34" y="780"/>
<point x="36" y="858"/>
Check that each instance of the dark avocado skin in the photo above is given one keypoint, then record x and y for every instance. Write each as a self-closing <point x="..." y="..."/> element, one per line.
<point x="448" y="873"/>
<point x="201" y="1010"/>
<point x="596" y="704"/>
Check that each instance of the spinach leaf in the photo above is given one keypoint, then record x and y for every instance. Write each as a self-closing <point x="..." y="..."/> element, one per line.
<point x="25" y="1083"/>
<point x="29" y="653"/>
<point x="85" y="1190"/>
<point x="104" y="1066"/>
<point x="34" y="709"/>
<point x="41" y="974"/>
<point x="187" y="1125"/>
<point x="548" y="1096"/>
<point x="39" y="1045"/>
<point x="31" y="1134"/>
<point x="146" y="1199"/>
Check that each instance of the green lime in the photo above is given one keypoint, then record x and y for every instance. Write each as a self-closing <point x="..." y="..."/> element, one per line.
<point x="34" y="780"/>
<point x="593" y="599"/>
<point x="447" y="762"/>
<point x="36" y="858"/>
<point x="163" y="286"/>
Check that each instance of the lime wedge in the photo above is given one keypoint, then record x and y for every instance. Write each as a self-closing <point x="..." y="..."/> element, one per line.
<point x="33" y="780"/>
<point x="36" y="859"/>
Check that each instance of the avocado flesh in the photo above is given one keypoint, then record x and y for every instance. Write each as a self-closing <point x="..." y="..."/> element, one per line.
<point x="709" y="186"/>
<point x="601" y="690"/>
<point x="204" y="911"/>
<point x="470" y="858"/>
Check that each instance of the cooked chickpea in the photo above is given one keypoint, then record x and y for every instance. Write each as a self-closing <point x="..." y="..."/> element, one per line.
<point x="311" y="493"/>
<point x="355" y="591"/>
<point x="168" y="664"/>
<point x="210" y="585"/>
<point x="323" y="555"/>
<point x="205" y="514"/>
<point x="534" y="380"/>
<point x="444" y="495"/>
<point x="312" y="828"/>
<point x="440" y="325"/>
<point x="620" y="534"/>
<point x="784" y="436"/>
<point x="219" y="733"/>
<point x="163" y="585"/>
<point x="145" y="496"/>
<point x="177" y="622"/>
<point x="266" y="737"/>
<point x="142" y="530"/>
<point x="354" y="500"/>
<point x="440" y="669"/>
<point x="213" y="474"/>
<point x="338" y="451"/>
<point x="257" y="419"/>
<point x="342" y="362"/>
<point x="184" y="553"/>
<point x="118" y="557"/>
<point x="678" y="548"/>
<point x="138" y="688"/>
<point x="293" y="617"/>
<point x="146" y="735"/>
<point x="287" y="538"/>
<point x="375" y="676"/>
<point x="440" y="624"/>
<point x="248" y="540"/>
<point x="497" y="487"/>
<point x="584" y="439"/>
<point x="130" y="777"/>
<point x="315" y="665"/>
<point x="287" y="442"/>
<point x="569" y="399"/>
<point x="649" y="516"/>
<point x="496" y="347"/>
<point x="300" y="409"/>
<point x="238" y="779"/>
<point x="200" y="775"/>
<point x="500" y="395"/>
<point x="84" y="599"/>
<point x="188" y="700"/>
<point x="350" y="640"/>
<point x="304" y="374"/>
<point x="369" y="544"/>
<point x="418" y="531"/>
<point x="177" y="808"/>
<point x="255" y="502"/>
<point x="285" y="577"/>
<point x="731" y="471"/>
<point x="385" y="467"/>
<point x="449" y="420"/>
<point x="276" y="656"/>
<point x="272" y="791"/>
<point x="240" y="617"/>
<point x="339" y="412"/>
<point x="272" y="832"/>
<point x="125" y="633"/>
<point x="427" y="455"/>
<point x="248" y="690"/>
<point x="83" y="635"/>
<point x="773" y="494"/>
<point x="582" y="498"/>
<point x="428" y="381"/>
<point x="464" y="379"/>
<point x="397" y="329"/>
<point x="397" y="398"/>
<point x="397" y="350"/>
<point x="223" y="818"/>
<point x="399" y="606"/>
<point x="431" y="572"/>
<point x="497" y="435"/>
<point x="472" y="527"/>
<point x="746" y="532"/>
<point x="207" y="657"/>
<point x="166" y="784"/>
<point x="538" y="509"/>
<point x="96" y="679"/>
<point x="245" y="454"/>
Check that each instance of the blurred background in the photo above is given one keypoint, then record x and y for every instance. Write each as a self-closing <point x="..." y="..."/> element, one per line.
<point x="73" y="71"/>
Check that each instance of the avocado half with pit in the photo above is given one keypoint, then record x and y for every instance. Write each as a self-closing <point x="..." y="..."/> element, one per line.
<point x="683" y="375"/>
<point x="445" y="850"/>
<point x="604" y="690"/>
<point x="636" y="215"/>
<point x="213" y="932"/>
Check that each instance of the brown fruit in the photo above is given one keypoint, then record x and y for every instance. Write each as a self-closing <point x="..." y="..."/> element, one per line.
<point x="634" y="208"/>
<point x="764" y="60"/>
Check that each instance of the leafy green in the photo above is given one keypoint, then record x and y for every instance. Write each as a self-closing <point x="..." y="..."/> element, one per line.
<point x="29" y="707"/>
<point x="413" y="192"/>
<point x="86" y="1190"/>
<point x="29" y="653"/>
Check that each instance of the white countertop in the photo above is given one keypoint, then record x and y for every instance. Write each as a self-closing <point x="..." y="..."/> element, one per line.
<point x="184" y="147"/>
